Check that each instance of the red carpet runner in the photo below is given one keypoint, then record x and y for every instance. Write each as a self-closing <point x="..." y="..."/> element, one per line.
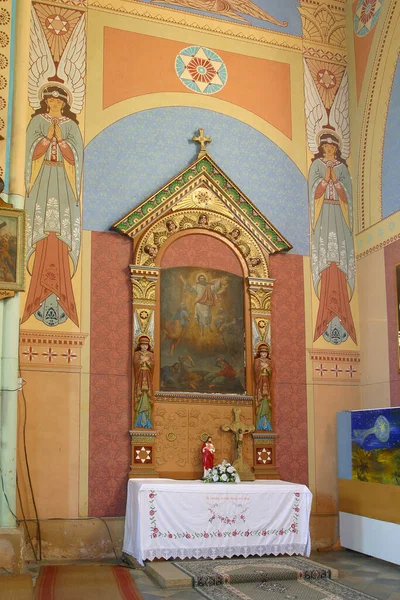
<point x="85" y="583"/>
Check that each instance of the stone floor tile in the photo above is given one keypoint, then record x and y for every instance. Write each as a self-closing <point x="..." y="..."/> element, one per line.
<point x="149" y="596"/>
<point x="186" y="595"/>
<point x="382" y="592"/>
<point x="388" y="581"/>
<point x="355" y="583"/>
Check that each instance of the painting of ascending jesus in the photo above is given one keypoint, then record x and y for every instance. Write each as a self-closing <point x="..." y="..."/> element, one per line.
<point x="202" y="331"/>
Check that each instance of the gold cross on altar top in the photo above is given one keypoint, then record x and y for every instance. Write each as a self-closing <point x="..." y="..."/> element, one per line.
<point x="239" y="430"/>
<point x="237" y="425"/>
<point x="203" y="140"/>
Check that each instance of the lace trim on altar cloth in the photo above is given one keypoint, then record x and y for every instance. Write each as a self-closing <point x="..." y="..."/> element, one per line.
<point x="227" y="552"/>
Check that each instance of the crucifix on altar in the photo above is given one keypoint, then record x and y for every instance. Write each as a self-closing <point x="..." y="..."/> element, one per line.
<point x="239" y="430"/>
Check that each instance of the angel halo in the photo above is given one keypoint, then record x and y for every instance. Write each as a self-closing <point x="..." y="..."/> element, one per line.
<point x="62" y="92"/>
<point x="68" y="75"/>
<point x="328" y="136"/>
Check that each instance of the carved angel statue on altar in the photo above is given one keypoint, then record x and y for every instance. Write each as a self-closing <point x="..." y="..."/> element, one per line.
<point x="262" y="388"/>
<point x="331" y="211"/>
<point x="53" y="175"/>
<point x="143" y="367"/>
<point x="208" y="451"/>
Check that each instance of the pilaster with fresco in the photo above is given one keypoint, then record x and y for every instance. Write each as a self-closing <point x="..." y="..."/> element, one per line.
<point x="138" y="338"/>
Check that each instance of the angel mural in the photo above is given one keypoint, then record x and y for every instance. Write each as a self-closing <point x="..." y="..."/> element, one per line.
<point x="235" y="9"/>
<point x="331" y="211"/>
<point x="53" y="174"/>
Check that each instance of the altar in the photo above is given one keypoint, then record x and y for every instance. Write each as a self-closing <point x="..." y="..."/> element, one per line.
<point x="168" y="518"/>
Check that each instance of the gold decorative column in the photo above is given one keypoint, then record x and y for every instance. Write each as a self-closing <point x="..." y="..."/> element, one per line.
<point x="260" y="291"/>
<point x="143" y="439"/>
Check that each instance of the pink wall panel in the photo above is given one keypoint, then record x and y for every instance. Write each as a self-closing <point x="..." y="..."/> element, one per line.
<point x="110" y="378"/>
<point x="197" y="250"/>
<point x="289" y="367"/>
<point x="392" y="258"/>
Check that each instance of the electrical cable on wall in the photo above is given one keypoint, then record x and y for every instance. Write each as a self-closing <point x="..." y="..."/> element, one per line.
<point x="25" y="523"/>
<point x="38" y="556"/>
<point x="118" y="559"/>
<point x="38" y="531"/>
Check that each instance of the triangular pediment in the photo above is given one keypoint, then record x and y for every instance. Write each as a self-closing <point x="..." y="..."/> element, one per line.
<point x="203" y="185"/>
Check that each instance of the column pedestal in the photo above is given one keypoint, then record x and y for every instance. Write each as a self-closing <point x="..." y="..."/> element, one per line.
<point x="264" y="455"/>
<point x="143" y="442"/>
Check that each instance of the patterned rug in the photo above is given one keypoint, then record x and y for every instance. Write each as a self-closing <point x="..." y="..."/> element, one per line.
<point x="272" y="578"/>
<point x="89" y="582"/>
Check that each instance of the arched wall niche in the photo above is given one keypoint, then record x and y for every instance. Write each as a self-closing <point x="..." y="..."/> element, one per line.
<point x="199" y="238"/>
<point x="372" y="131"/>
<point x="191" y="249"/>
<point x="180" y="418"/>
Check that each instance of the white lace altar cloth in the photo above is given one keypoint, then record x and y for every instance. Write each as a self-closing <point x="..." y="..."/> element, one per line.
<point x="191" y="519"/>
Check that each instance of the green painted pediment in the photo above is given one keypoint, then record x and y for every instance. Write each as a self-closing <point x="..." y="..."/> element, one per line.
<point x="204" y="171"/>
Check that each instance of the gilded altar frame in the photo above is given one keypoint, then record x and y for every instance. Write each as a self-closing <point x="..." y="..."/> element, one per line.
<point x="12" y="248"/>
<point x="200" y="200"/>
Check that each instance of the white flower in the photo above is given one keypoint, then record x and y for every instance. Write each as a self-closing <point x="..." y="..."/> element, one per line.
<point x="237" y="479"/>
<point x="224" y="477"/>
<point x="215" y="477"/>
<point x="230" y="469"/>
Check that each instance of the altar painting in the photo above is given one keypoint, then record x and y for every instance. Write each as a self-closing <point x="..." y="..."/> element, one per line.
<point x="8" y="249"/>
<point x="376" y="445"/>
<point x="12" y="235"/>
<point x="202" y="331"/>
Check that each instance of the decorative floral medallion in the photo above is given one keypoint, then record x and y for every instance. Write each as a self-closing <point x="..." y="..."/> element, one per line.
<point x="202" y="197"/>
<point x="201" y="70"/>
<point x="366" y="16"/>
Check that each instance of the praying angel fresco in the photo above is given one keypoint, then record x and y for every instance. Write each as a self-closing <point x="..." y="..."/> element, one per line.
<point x="53" y="173"/>
<point x="331" y="207"/>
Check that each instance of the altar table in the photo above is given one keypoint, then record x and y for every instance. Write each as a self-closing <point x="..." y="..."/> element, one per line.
<point x="166" y="518"/>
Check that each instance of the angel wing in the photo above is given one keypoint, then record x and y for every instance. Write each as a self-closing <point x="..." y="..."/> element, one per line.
<point x="72" y="65"/>
<point x="41" y="64"/>
<point x="339" y="115"/>
<point x="256" y="336"/>
<point x="150" y="328"/>
<point x="316" y="115"/>
<point x="250" y="8"/>
<point x="137" y="330"/>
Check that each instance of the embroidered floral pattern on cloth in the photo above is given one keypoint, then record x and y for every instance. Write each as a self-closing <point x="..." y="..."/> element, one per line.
<point x="187" y="519"/>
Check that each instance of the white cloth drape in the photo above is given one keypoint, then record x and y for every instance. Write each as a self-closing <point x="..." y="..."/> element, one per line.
<point x="192" y="519"/>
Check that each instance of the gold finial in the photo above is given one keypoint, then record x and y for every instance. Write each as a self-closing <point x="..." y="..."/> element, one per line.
<point x="203" y="140"/>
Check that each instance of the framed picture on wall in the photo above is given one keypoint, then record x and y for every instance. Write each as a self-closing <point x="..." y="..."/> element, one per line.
<point x="12" y="248"/>
<point x="397" y="275"/>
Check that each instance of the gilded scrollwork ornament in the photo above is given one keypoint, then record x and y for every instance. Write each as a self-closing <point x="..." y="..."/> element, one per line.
<point x="144" y="285"/>
<point x="156" y="236"/>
